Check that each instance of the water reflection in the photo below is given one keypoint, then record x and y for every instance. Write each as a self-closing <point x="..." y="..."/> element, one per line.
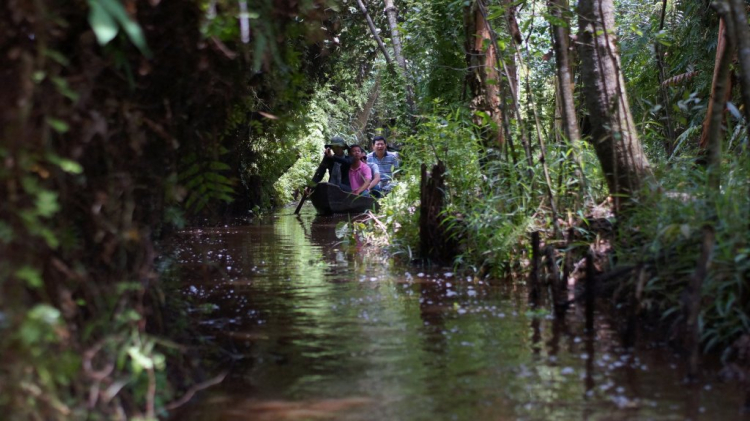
<point x="312" y="327"/>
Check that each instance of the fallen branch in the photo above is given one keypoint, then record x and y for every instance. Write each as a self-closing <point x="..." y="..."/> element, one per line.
<point x="380" y="224"/>
<point x="195" y="389"/>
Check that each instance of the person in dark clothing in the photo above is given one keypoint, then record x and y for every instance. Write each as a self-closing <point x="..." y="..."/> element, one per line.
<point x="336" y="163"/>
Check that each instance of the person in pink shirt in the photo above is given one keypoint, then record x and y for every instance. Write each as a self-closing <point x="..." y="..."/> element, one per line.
<point x="360" y="174"/>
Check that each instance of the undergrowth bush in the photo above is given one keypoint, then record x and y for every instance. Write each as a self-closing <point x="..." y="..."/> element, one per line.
<point x="447" y="135"/>
<point x="491" y="203"/>
<point x="664" y="231"/>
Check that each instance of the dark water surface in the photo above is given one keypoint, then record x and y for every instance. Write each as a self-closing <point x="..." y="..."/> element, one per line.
<point x="311" y="328"/>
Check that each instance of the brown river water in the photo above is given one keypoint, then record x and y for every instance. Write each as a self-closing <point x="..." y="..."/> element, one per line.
<point x="312" y="328"/>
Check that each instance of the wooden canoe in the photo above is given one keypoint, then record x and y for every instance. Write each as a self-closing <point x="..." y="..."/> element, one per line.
<point x="329" y="199"/>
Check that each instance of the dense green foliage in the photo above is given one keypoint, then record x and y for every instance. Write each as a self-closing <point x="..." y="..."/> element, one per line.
<point x="496" y="211"/>
<point x="121" y="121"/>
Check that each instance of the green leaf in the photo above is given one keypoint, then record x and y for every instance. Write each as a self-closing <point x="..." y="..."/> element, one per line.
<point x="105" y="28"/>
<point x="46" y="203"/>
<point x="556" y="21"/>
<point x="32" y="276"/>
<point x="64" y="88"/>
<point x="66" y="165"/>
<point x="496" y="12"/>
<point x="57" y="56"/>
<point x="49" y="237"/>
<point x="104" y="17"/>
<point x="189" y="172"/>
<point x="140" y="361"/>
<point x="217" y="178"/>
<point x="38" y="76"/>
<point x="37" y="326"/>
<point x="219" y="166"/>
<point x="57" y="125"/>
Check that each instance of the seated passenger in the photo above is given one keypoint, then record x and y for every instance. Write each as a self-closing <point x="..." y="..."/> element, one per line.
<point x="336" y="163"/>
<point x="360" y="175"/>
<point x="387" y="162"/>
<point x="375" y="183"/>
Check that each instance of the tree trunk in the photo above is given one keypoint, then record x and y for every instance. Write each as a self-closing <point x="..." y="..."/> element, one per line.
<point x="715" y="115"/>
<point x="374" y="31"/>
<point x="614" y="134"/>
<point x="560" y="41"/>
<point x="438" y="240"/>
<point x="516" y="39"/>
<point x="363" y="116"/>
<point x="741" y="37"/>
<point x="392" y="13"/>
<point x="513" y="94"/>
<point x="484" y="80"/>
<point x="719" y="81"/>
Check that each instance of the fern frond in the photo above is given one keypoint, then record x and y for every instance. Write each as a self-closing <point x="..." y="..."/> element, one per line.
<point x="205" y="184"/>
<point x="679" y="79"/>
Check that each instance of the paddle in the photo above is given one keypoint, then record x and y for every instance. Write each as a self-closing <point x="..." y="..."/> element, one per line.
<point x="302" y="201"/>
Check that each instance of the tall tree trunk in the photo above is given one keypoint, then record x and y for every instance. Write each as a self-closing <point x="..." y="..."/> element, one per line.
<point x="513" y="93"/>
<point x="719" y="80"/>
<point x="374" y="31"/>
<point x="721" y="90"/>
<point x="516" y="40"/>
<point x="560" y="41"/>
<point x="484" y="80"/>
<point x="614" y="134"/>
<point x="392" y="13"/>
<point x="741" y="37"/>
<point x="363" y="116"/>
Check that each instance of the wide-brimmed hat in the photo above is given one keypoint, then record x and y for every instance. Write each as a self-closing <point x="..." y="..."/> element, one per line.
<point x="337" y="141"/>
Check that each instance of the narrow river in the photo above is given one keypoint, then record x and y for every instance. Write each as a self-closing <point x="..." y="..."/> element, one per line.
<point x="310" y="328"/>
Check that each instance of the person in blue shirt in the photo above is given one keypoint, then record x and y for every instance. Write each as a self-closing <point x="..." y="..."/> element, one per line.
<point x="386" y="161"/>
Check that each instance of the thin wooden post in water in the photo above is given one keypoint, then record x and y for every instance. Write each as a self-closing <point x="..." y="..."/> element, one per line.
<point x="590" y="292"/>
<point x="559" y="286"/>
<point x="568" y="259"/>
<point x="424" y="239"/>
<point x="534" y="289"/>
<point x="693" y="299"/>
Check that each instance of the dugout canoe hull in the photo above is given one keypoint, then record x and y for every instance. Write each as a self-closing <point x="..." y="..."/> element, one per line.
<point x="329" y="199"/>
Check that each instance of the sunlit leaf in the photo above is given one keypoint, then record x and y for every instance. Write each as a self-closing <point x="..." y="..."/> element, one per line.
<point x="105" y="28"/>
<point x="106" y="15"/>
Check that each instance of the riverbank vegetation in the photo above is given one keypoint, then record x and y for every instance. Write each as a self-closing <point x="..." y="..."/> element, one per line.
<point x="614" y="129"/>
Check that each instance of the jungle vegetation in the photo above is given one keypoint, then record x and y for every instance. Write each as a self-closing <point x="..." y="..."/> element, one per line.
<point x="614" y="128"/>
